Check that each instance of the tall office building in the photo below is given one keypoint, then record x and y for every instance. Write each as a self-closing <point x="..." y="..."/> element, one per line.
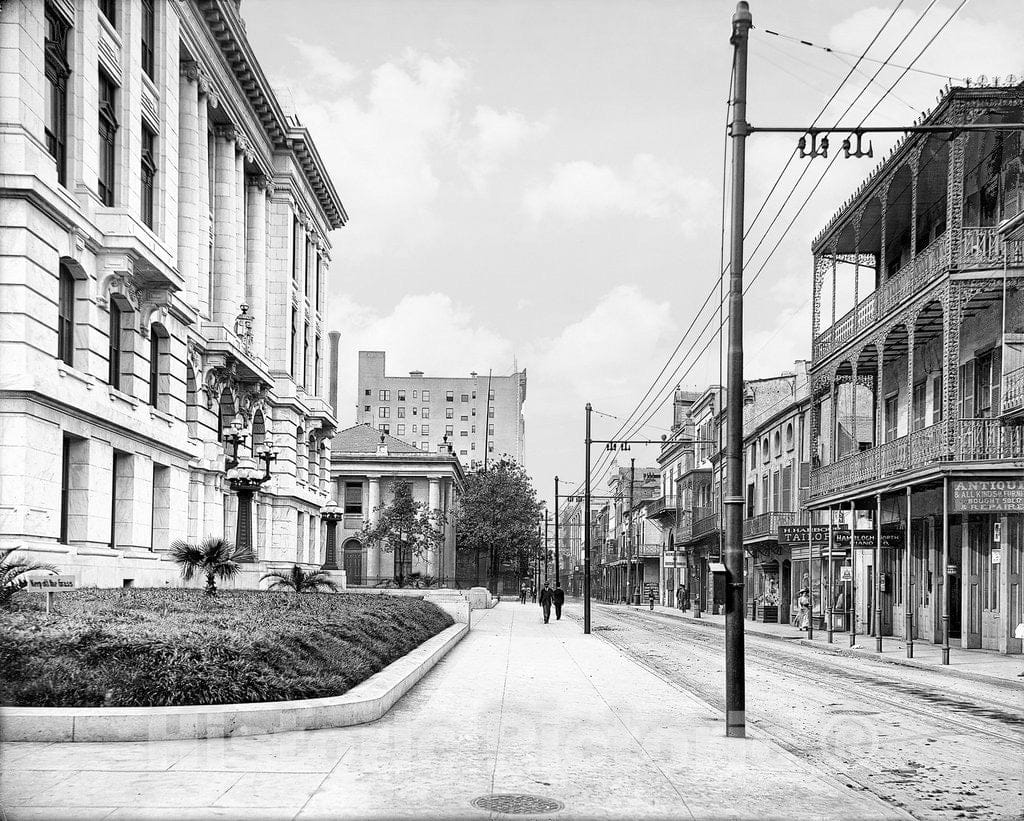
<point x="422" y="409"/>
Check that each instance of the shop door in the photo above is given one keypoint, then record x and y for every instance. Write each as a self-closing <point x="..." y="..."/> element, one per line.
<point x="871" y="601"/>
<point x="955" y="597"/>
<point x="972" y="583"/>
<point x="991" y="583"/>
<point x="922" y="580"/>
<point x="1013" y="557"/>
<point x="888" y="566"/>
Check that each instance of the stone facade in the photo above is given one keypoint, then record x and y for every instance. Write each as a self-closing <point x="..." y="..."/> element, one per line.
<point x="165" y="248"/>
<point x="456" y="406"/>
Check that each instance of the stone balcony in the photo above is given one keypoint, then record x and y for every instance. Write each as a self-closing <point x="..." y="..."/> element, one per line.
<point x="964" y="440"/>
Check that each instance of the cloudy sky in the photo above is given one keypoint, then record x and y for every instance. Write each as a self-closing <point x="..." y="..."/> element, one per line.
<point x="539" y="181"/>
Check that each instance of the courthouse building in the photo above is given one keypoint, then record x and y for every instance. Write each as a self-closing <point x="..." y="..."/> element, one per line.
<point x="165" y="255"/>
<point x="919" y="300"/>
<point x="478" y="414"/>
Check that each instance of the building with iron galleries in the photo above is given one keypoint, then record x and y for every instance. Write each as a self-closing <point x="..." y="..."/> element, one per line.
<point x="627" y="528"/>
<point x="365" y="467"/>
<point x="674" y="459"/>
<point x="166" y="245"/>
<point x="918" y="293"/>
<point x="479" y="414"/>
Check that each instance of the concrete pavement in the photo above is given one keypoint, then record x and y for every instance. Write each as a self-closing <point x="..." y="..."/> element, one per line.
<point x="518" y="707"/>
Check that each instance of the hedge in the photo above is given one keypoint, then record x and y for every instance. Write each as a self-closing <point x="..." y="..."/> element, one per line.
<point x="142" y="648"/>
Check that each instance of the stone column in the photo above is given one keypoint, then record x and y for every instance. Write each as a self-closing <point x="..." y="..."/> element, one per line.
<point x="225" y="292"/>
<point x="373" y="552"/>
<point x="189" y="246"/>
<point x="241" y="271"/>
<point x="432" y="559"/>
<point x="256" y="260"/>
<point x="203" y="223"/>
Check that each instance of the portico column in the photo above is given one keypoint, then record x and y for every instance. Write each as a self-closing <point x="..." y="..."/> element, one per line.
<point x="225" y="291"/>
<point x="256" y="260"/>
<point x="372" y="551"/>
<point x="188" y="180"/>
<point x="434" y="504"/>
<point x="240" y="219"/>
<point x="203" y="207"/>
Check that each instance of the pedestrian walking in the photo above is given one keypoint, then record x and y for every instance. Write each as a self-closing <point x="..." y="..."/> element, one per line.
<point x="803" y="617"/>
<point x="522" y="593"/>
<point x="652" y="595"/>
<point x="545" y="601"/>
<point x="533" y="594"/>
<point x="558" y="599"/>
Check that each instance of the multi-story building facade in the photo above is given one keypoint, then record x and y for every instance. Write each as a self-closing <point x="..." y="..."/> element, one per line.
<point x="776" y="441"/>
<point x="627" y="563"/>
<point x="165" y="241"/>
<point x="422" y="410"/>
<point x="918" y="299"/>
<point x="365" y="466"/>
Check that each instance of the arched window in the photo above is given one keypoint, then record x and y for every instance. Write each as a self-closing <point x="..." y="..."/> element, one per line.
<point x="191" y="399"/>
<point x="259" y="431"/>
<point x="313" y="469"/>
<point x="114" y="345"/>
<point x="789" y="436"/>
<point x="300" y="454"/>
<point x="225" y="412"/>
<point x="764" y="450"/>
<point x="66" y="316"/>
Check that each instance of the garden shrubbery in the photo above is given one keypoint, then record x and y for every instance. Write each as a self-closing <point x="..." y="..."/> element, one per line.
<point x="139" y="648"/>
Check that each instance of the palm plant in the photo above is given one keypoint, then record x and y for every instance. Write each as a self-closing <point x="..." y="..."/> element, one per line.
<point x="11" y="571"/>
<point x="300" y="580"/>
<point x="214" y="557"/>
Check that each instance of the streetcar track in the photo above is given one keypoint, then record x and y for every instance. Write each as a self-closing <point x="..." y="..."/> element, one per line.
<point x="989" y="710"/>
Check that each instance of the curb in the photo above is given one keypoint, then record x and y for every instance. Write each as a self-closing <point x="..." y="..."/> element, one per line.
<point x="834" y="650"/>
<point x="366" y="702"/>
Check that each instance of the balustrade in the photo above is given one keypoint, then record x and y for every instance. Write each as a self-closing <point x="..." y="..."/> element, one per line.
<point x="1013" y="390"/>
<point x="767" y="524"/>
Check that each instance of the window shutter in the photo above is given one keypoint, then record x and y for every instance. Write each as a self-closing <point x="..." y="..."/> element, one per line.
<point x="805" y="474"/>
<point x="967" y="390"/>
<point x="997" y="379"/>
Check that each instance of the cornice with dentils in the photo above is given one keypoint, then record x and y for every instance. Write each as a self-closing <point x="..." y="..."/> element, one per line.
<point x="226" y="26"/>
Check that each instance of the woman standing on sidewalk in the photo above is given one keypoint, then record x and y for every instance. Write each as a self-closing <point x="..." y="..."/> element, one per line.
<point x="803" y="618"/>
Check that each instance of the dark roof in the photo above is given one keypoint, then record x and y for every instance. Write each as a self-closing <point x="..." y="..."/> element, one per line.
<point x="365" y="439"/>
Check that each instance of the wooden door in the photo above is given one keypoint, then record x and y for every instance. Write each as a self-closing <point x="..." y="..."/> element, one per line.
<point x="971" y="586"/>
<point x="955" y="590"/>
<point x="354" y="563"/>
<point x="1013" y="558"/>
<point x="991" y="583"/>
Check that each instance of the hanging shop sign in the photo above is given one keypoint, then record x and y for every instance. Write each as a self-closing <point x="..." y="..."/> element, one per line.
<point x="981" y="495"/>
<point x="892" y="536"/>
<point x="846" y="573"/>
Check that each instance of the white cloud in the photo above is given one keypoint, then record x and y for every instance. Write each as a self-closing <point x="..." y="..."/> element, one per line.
<point x="651" y="188"/>
<point x="397" y="138"/>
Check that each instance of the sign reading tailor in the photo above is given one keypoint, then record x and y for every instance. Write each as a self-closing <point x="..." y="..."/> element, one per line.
<point x="981" y="495"/>
<point x="892" y="536"/>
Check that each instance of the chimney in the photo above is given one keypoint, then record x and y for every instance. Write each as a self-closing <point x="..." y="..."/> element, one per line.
<point x="335" y="338"/>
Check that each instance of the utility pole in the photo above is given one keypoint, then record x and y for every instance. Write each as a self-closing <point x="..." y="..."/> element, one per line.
<point x="586" y="531"/>
<point x="487" y="419"/>
<point x="545" y="544"/>
<point x="735" y="695"/>
<point x="557" y="520"/>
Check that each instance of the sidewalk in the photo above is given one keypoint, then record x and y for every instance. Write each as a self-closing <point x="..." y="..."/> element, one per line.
<point x="983" y="665"/>
<point x="518" y="707"/>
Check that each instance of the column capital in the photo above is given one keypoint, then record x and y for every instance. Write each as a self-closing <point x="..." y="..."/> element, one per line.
<point x="258" y="180"/>
<point x="226" y="131"/>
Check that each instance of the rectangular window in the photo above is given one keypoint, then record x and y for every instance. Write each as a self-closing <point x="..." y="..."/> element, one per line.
<point x="414" y="429"/>
<point x="918" y="405"/>
<point x="473" y="412"/>
<point x="937" y="398"/>
<point x="305" y="357"/>
<point x="401" y="412"/>
<point x="463" y="433"/>
<point x="57" y="70"/>
<point x="776" y="491"/>
<point x="292" y="349"/>
<point x="449" y="413"/>
<point x="424" y="446"/>
<point x="967" y="390"/>
<point x="384" y="412"/>
<point x="490" y="430"/>
<point x="66" y="317"/>
<point x="385" y="428"/>
<point x="987" y="376"/>
<point x="366" y="392"/>
<point x="316" y="366"/>
<point x="787" y="487"/>
<point x="891" y="417"/>
<point x="65" y="488"/>
<point x="426" y="395"/>
<point x="425" y="413"/>
<point x="765" y="504"/>
<point x="401" y="396"/>
<point x="425" y="430"/>
<point x="401" y="428"/>
<point x="415" y="411"/>
<point x="474" y="394"/>
<point x="465" y="397"/>
<point x="108" y="138"/>
<point x="472" y="445"/>
<point x="114" y="346"/>
<point x="109" y="9"/>
<point x="354" y="498"/>
<point x="490" y="413"/>
<point x="449" y="396"/>
<point x="473" y="429"/>
<point x="296" y="244"/>
<point x="148" y="171"/>
<point x="309" y="257"/>
<point x="384" y="396"/>
<point x="148" y="37"/>
<point x="319" y="263"/>
<point x="463" y="418"/>
<point x="490" y="395"/>
<point x="449" y="430"/>
<point x="366" y="408"/>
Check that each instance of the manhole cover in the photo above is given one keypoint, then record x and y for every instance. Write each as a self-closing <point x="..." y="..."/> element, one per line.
<point x="517" y="804"/>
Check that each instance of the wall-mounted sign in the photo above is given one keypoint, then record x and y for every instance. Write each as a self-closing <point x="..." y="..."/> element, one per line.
<point x="997" y="557"/>
<point x="951" y="570"/>
<point x="846" y="573"/>
<point x="892" y="536"/>
<point x="976" y="496"/>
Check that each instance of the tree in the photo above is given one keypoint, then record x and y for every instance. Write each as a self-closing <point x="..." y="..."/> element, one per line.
<point x="299" y="580"/>
<point x="407" y="528"/>
<point x="11" y="572"/>
<point x="498" y="513"/>
<point x="214" y="557"/>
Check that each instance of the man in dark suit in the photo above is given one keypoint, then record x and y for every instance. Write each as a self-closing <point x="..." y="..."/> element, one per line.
<point x="558" y="599"/>
<point x="545" y="601"/>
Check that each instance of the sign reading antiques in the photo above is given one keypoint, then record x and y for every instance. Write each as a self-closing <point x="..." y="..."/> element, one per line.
<point x="978" y="496"/>
<point x="866" y="538"/>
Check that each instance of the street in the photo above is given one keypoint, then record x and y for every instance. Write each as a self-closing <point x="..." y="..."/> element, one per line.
<point x="932" y="744"/>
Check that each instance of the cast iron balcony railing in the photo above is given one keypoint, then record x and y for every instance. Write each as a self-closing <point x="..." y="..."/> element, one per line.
<point x="705" y="520"/>
<point x="980" y="248"/>
<point x="966" y="440"/>
<point x="647" y="550"/>
<point x="662" y="506"/>
<point x="1013" y="392"/>
<point x="767" y="524"/>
